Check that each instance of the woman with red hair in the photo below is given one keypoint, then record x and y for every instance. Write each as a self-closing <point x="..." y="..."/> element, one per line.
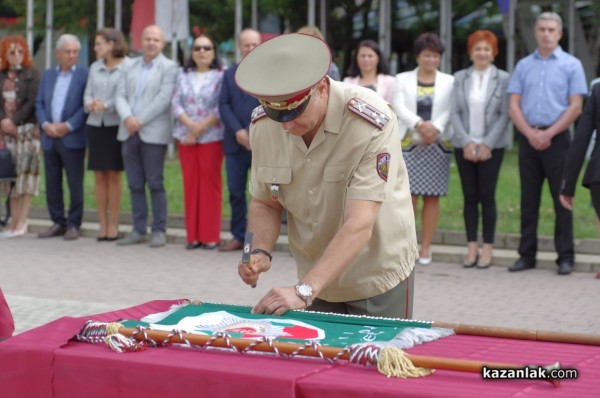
<point x="480" y="120"/>
<point x="19" y="82"/>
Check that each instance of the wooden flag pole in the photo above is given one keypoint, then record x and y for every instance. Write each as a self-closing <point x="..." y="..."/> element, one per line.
<point x="521" y="334"/>
<point x="422" y="361"/>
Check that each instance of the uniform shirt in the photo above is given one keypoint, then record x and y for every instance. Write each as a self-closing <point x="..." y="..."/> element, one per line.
<point x="545" y="85"/>
<point x="340" y="164"/>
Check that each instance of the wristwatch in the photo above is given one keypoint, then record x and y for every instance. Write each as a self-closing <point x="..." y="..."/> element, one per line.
<point x="305" y="292"/>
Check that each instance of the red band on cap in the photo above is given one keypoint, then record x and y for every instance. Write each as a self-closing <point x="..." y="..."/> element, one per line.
<point x="298" y="97"/>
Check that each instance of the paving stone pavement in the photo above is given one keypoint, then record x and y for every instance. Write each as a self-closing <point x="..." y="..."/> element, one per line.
<point x="45" y="279"/>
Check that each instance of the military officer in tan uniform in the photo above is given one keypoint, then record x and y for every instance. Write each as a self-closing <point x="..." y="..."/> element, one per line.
<point x="330" y="154"/>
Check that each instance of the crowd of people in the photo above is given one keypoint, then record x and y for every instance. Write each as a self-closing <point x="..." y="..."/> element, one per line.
<point x="119" y="112"/>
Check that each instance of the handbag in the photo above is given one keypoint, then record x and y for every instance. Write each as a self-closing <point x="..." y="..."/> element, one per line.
<point x="7" y="166"/>
<point x="7" y="173"/>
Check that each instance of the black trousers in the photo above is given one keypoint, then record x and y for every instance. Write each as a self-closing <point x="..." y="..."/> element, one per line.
<point x="534" y="167"/>
<point x="479" y="180"/>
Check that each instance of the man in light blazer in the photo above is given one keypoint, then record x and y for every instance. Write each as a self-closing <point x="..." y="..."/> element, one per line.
<point x="59" y="111"/>
<point x="143" y="103"/>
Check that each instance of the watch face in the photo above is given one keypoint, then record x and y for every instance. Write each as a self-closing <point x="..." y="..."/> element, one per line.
<point x="304" y="290"/>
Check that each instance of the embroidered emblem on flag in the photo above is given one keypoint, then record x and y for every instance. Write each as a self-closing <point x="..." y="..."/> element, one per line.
<point x="383" y="165"/>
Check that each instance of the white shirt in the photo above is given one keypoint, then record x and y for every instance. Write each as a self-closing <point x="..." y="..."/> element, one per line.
<point x="479" y="83"/>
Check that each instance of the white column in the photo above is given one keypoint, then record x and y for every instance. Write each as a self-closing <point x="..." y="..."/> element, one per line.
<point x="49" y="39"/>
<point x="100" y="14"/>
<point x="323" y="17"/>
<point x="571" y="19"/>
<point x="118" y="13"/>
<point x="311" y="13"/>
<point x="254" y="15"/>
<point x="510" y="37"/>
<point x="29" y="27"/>
<point x="446" y="34"/>
<point x="238" y="28"/>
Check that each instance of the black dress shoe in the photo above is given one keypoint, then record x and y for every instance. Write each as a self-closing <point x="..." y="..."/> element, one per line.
<point x="470" y="264"/>
<point x="521" y="265"/>
<point x="565" y="267"/>
<point x="54" y="230"/>
<point x="193" y="245"/>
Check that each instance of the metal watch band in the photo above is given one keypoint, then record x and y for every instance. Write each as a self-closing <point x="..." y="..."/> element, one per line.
<point x="262" y="251"/>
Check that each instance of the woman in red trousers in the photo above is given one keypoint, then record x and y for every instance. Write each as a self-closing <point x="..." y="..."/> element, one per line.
<point x="199" y="133"/>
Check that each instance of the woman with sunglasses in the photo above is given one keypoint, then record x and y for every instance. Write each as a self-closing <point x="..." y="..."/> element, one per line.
<point x="19" y="82"/>
<point x="104" y="156"/>
<point x="199" y="133"/>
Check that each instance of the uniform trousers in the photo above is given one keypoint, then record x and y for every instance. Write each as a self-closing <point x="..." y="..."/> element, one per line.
<point x="395" y="303"/>
<point x="71" y="160"/>
<point x="478" y="181"/>
<point x="144" y="164"/>
<point x="201" y="166"/>
<point x="237" y="166"/>
<point x="534" y="167"/>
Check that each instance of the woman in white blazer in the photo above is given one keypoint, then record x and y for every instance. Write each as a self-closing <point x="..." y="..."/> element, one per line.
<point x="370" y="69"/>
<point x="422" y="103"/>
<point x="480" y="120"/>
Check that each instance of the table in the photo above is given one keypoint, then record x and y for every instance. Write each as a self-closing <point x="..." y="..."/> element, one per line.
<point x="44" y="363"/>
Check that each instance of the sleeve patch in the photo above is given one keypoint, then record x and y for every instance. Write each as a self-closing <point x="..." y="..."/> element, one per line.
<point x="257" y="114"/>
<point x="369" y="113"/>
<point x="383" y="165"/>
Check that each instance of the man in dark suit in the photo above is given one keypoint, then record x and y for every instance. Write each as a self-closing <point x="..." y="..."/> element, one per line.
<point x="59" y="110"/>
<point x="235" y="108"/>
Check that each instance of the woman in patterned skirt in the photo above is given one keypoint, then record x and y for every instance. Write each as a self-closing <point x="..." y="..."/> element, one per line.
<point x="422" y="102"/>
<point x="19" y="82"/>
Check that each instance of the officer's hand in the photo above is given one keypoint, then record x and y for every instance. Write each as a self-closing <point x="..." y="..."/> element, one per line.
<point x="249" y="272"/>
<point x="278" y="301"/>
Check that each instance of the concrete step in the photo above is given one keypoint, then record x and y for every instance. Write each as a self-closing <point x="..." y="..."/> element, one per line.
<point x="449" y="248"/>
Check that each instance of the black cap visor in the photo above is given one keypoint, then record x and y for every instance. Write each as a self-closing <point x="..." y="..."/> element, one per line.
<point x="284" y="115"/>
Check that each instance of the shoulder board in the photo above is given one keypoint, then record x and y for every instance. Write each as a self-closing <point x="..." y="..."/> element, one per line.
<point x="257" y="113"/>
<point x="368" y="112"/>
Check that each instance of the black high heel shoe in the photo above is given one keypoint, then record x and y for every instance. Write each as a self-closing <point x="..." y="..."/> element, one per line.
<point x="471" y="264"/>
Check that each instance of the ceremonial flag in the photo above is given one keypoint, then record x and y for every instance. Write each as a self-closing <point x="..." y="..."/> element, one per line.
<point x="171" y="15"/>
<point x="294" y="326"/>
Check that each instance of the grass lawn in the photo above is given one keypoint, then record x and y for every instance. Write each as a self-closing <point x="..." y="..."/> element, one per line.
<point x="507" y="196"/>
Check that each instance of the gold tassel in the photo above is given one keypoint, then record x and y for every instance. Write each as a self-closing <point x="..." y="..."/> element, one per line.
<point x="393" y="362"/>
<point x="113" y="328"/>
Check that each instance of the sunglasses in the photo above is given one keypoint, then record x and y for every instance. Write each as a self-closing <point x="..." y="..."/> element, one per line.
<point x="205" y="48"/>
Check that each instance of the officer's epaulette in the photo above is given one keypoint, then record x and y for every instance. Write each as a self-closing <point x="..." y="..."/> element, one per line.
<point x="368" y="112"/>
<point x="257" y="113"/>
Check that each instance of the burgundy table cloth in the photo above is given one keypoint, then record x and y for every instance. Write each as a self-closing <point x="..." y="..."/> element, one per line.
<point x="43" y="363"/>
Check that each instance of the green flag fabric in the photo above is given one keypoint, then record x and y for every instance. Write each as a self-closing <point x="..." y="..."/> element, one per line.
<point x="294" y="326"/>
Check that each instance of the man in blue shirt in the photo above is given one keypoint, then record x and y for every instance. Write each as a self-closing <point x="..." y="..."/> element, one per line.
<point x="546" y="96"/>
